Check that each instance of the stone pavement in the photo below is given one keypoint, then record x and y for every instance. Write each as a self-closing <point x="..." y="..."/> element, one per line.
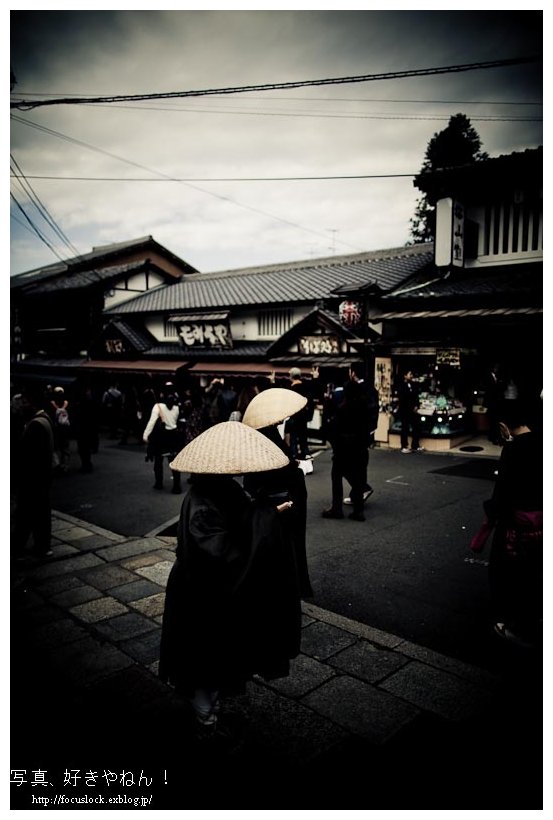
<point x="365" y="719"/>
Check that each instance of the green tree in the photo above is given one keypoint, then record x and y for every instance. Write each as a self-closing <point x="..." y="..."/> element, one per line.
<point x="458" y="144"/>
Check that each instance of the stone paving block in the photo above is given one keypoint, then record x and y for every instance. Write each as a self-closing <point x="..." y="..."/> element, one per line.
<point x="86" y="661"/>
<point x="93" y="542"/>
<point x="158" y="573"/>
<point x="62" y="549"/>
<point x="99" y="610"/>
<point x="305" y="675"/>
<point x="320" y="640"/>
<point x="437" y="691"/>
<point x="147" y="559"/>
<point x="59" y="525"/>
<point x="369" y="633"/>
<point x="125" y="626"/>
<point x="59" y="584"/>
<point x="464" y="670"/>
<point x="133" y="686"/>
<point x="38" y="615"/>
<point x="76" y="595"/>
<point x="151" y="606"/>
<point x="130" y="548"/>
<point x="365" y="661"/>
<point x="135" y="590"/>
<point x="306" y="620"/>
<point x="72" y="534"/>
<point x="145" y="649"/>
<point x="57" y="633"/>
<point x="107" y="576"/>
<point x="361" y="708"/>
<point x="284" y="726"/>
<point x="66" y="567"/>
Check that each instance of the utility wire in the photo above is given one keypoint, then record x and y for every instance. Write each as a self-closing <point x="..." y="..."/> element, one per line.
<point x="35" y="229"/>
<point x="316" y="114"/>
<point x="74" y="141"/>
<point x="222" y="179"/>
<point x="335" y="99"/>
<point x="43" y="211"/>
<point x="391" y="75"/>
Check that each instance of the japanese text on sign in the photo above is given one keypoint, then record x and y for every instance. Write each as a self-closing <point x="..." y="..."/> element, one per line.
<point x="318" y="345"/>
<point x="205" y="334"/>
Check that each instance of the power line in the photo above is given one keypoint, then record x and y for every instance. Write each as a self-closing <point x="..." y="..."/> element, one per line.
<point x="221" y="179"/>
<point x="336" y="99"/>
<point x="315" y="115"/>
<point x="35" y="229"/>
<point x="41" y="208"/>
<point x="74" y="141"/>
<point x="391" y="75"/>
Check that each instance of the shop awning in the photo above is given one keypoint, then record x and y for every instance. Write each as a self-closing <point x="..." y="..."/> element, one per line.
<point x="237" y="368"/>
<point x="213" y="316"/>
<point x="136" y="366"/>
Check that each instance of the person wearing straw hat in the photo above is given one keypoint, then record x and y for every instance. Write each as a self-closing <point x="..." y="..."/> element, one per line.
<point x="264" y="413"/>
<point x="232" y="606"/>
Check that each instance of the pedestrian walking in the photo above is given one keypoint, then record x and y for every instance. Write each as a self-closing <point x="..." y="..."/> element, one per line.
<point x="349" y="421"/>
<point x="515" y="512"/>
<point x="296" y="426"/>
<point x="33" y="481"/>
<point x="86" y="426"/>
<point x="59" y="412"/>
<point x="264" y="413"/>
<point x="163" y="440"/>
<point x="112" y="402"/>
<point x="408" y="405"/>
<point x="232" y="606"/>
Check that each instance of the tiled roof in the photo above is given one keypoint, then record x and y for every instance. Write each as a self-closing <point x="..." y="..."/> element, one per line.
<point x="293" y="282"/>
<point x="87" y="260"/>
<point x="239" y="350"/>
<point x="509" y="280"/>
<point x="77" y="279"/>
<point x="140" y="339"/>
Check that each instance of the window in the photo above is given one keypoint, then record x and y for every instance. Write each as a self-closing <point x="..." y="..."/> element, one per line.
<point x="170" y="329"/>
<point x="512" y="229"/>
<point x="274" y="322"/>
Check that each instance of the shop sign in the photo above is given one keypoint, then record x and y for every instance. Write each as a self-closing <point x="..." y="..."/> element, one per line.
<point x="205" y="334"/>
<point x="450" y="356"/>
<point x="350" y="313"/>
<point x="318" y="345"/>
<point x="114" y="346"/>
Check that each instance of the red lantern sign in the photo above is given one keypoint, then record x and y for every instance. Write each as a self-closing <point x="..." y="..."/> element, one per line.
<point x="350" y="313"/>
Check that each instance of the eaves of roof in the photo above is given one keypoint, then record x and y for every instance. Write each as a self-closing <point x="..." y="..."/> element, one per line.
<point x="79" y="279"/>
<point x="298" y="282"/>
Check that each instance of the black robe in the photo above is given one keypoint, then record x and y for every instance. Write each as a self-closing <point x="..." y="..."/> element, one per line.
<point x="232" y="606"/>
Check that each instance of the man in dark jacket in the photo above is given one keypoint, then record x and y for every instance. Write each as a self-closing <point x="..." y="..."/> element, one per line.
<point x="351" y="419"/>
<point x="408" y="400"/>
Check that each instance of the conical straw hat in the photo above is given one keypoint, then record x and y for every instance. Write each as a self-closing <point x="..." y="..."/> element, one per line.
<point x="272" y="406"/>
<point x="229" y="448"/>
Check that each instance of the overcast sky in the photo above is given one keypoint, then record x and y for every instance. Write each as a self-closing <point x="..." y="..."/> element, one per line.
<point x="351" y="129"/>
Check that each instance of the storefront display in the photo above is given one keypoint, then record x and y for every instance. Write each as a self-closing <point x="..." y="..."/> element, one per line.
<point x="440" y="416"/>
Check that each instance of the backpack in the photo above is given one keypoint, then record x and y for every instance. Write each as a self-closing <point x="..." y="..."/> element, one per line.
<point x="62" y="416"/>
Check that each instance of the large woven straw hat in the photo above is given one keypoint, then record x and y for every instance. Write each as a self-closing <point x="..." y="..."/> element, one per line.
<point x="272" y="406"/>
<point x="229" y="448"/>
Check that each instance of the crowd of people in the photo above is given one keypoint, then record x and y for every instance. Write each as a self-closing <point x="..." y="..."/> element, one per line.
<point x="232" y="606"/>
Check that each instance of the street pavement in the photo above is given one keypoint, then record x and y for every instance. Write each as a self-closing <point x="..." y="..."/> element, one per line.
<point x="375" y="714"/>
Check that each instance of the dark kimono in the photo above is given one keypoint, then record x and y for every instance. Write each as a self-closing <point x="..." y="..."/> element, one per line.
<point x="286" y="484"/>
<point x="232" y="605"/>
<point x="516" y="510"/>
